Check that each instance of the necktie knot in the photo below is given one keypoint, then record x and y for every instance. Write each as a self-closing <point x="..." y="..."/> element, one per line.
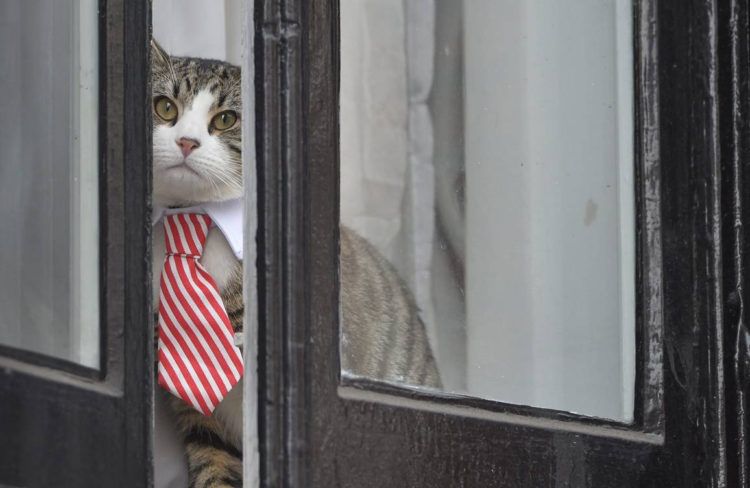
<point x="185" y="234"/>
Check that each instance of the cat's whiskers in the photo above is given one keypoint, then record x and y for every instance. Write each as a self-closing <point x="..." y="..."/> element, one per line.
<point x="217" y="168"/>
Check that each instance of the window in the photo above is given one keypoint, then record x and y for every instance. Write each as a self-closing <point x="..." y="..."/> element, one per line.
<point x="49" y="179"/>
<point x="321" y="426"/>
<point x="76" y="381"/>
<point x="487" y="155"/>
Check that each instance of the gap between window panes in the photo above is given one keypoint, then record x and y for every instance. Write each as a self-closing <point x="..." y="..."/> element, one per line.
<point x="226" y="32"/>
<point x="251" y="444"/>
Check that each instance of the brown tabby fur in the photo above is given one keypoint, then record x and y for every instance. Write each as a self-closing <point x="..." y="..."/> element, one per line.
<point x="382" y="335"/>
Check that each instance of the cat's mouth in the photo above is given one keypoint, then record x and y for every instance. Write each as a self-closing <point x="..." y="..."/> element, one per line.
<point x="183" y="166"/>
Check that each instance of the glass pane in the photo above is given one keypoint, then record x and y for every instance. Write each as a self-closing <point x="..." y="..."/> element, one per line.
<point x="487" y="163"/>
<point x="49" y="282"/>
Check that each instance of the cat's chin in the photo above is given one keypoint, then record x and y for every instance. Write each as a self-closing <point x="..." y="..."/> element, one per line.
<point x="181" y="170"/>
<point x="186" y="189"/>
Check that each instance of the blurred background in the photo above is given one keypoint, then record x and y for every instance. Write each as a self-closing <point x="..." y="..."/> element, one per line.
<point x="199" y="28"/>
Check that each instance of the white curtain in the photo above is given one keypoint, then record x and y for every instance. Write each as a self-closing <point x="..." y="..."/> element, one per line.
<point x="48" y="178"/>
<point x="199" y="28"/>
<point x="402" y="157"/>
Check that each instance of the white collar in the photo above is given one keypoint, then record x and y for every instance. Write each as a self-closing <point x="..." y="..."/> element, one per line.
<point x="227" y="216"/>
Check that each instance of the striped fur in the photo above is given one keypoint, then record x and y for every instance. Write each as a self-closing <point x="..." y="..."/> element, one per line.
<point x="383" y="336"/>
<point x="232" y="297"/>
<point x="198" y="89"/>
<point x="213" y="462"/>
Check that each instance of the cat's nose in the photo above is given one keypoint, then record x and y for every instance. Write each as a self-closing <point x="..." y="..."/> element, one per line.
<point x="187" y="145"/>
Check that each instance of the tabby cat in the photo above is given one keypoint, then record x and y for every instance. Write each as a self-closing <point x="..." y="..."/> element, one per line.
<point x="382" y="338"/>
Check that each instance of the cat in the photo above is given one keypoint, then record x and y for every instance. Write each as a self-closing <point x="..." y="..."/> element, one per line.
<point x="196" y="160"/>
<point x="382" y="335"/>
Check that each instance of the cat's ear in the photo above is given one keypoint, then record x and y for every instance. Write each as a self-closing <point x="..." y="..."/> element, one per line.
<point x="159" y="57"/>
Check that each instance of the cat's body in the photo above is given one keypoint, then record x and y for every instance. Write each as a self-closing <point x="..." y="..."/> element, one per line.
<point x="197" y="159"/>
<point x="382" y="335"/>
<point x="222" y="264"/>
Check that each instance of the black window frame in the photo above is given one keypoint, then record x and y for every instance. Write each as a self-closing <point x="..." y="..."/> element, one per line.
<point x="690" y="426"/>
<point x="65" y="424"/>
<point x="57" y="363"/>
<point x="648" y="418"/>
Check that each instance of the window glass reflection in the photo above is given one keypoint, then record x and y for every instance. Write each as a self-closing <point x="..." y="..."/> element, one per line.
<point x="487" y="156"/>
<point x="49" y="178"/>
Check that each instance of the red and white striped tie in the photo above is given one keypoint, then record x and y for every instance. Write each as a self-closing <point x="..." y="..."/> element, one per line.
<point x="198" y="360"/>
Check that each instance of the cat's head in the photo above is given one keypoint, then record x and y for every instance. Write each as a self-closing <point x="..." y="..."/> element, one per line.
<point x="197" y="135"/>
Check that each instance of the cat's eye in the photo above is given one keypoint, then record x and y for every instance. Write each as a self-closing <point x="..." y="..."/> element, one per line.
<point x="165" y="108"/>
<point x="224" y="120"/>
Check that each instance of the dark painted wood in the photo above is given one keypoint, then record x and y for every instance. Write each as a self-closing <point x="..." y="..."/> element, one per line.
<point x="734" y="80"/>
<point x="282" y="294"/>
<point x="138" y="334"/>
<point x="694" y="354"/>
<point x="60" y="427"/>
<point x="313" y="434"/>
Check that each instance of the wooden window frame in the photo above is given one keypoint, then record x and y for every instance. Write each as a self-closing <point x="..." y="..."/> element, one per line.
<point x="93" y="427"/>
<point x="648" y="418"/>
<point x="693" y="343"/>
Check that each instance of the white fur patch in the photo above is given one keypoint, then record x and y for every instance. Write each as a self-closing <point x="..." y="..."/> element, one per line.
<point x="203" y="175"/>
<point x="229" y="412"/>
